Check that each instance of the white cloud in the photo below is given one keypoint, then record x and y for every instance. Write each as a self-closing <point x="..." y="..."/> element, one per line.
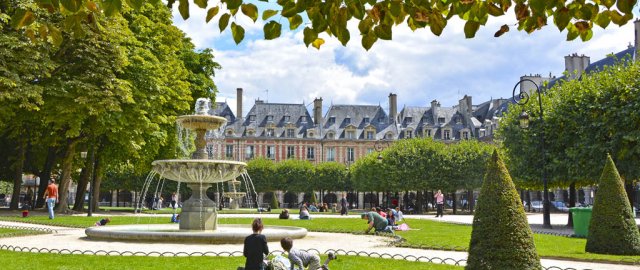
<point x="418" y="66"/>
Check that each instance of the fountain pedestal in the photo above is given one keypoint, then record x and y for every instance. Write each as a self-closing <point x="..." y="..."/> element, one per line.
<point x="199" y="213"/>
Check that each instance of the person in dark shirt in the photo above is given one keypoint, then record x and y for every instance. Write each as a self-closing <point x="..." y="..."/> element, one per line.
<point x="255" y="247"/>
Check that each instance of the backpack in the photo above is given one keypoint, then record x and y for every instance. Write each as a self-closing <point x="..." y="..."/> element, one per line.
<point x="279" y="263"/>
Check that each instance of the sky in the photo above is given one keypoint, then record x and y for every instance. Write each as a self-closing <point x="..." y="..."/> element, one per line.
<point x="417" y="66"/>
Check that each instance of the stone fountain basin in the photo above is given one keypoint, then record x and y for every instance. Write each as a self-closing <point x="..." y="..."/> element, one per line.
<point x="203" y="171"/>
<point x="225" y="234"/>
<point x="195" y="122"/>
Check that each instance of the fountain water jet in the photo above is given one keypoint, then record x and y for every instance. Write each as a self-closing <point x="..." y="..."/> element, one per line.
<point x="198" y="220"/>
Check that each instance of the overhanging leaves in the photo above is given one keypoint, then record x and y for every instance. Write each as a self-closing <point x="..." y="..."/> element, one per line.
<point x="272" y="30"/>
<point x="238" y="32"/>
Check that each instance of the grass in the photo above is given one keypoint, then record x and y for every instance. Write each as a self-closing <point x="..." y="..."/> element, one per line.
<point x="426" y="233"/>
<point x="25" y="260"/>
<point x="9" y="232"/>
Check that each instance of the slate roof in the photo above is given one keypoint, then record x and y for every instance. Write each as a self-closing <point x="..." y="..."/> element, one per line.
<point x="222" y="109"/>
<point x="422" y="118"/>
<point x="278" y="116"/>
<point x="611" y="60"/>
<point x="339" y="117"/>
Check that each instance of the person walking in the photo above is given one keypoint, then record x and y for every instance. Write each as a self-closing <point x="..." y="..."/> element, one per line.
<point x="174" y="200"/>
<point x="51" y="195"/>
<point x="344" y="205"/>
<point x="439" y="203"/>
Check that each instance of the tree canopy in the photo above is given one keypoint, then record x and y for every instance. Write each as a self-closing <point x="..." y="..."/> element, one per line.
<point x="375" y="18"/>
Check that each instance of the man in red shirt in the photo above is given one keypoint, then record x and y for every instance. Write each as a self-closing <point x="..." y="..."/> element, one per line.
<point x="51" y="194"/>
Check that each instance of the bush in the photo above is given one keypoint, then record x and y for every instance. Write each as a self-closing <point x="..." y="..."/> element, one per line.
<point x="501" y="237"/>
<point x="313" y="198"/>
<point x="613" y="229"/>
<point x="274" y="201"/>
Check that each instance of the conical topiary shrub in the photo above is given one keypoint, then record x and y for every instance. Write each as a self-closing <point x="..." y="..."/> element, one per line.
<point x="313" y="198"/>
<point x="612" y="229"/>
<point x="501" y="237"/>
<point x="274" y="201"/>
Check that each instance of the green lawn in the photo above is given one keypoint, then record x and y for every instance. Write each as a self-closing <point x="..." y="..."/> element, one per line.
<point x="426" y="233"/>
<point x="24" y="260"/>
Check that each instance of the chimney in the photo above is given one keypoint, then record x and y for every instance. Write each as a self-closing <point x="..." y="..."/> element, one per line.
<point x="465" y="106"/>
<point x="528" y="87"/>
<point x="239" y="103"/>
<point x="434" y="111"/>
<point x="637" y="38"/>
<point x="576" y="65"/>
<point x="317" y="111"/>
<point x="393" y="107"/>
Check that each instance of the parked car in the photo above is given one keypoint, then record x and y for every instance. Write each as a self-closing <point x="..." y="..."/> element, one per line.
<point x="560" y="206"/>
<point x="536" y="206"/>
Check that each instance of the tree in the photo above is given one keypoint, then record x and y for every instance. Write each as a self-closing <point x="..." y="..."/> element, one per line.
<point x="376" y="18"/>
<point x="501" y="237"/>
<point x="294" y="175"/>
<point x="262" y="172"/>
<point x="612" y="229"/>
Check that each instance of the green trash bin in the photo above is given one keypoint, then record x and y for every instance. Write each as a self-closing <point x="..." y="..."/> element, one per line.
<point x="581" y="220"/>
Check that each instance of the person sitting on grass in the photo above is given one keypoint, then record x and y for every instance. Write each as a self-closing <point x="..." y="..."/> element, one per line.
<point x="301" y="259"/>
<point x="376" y="222"/>
<point x="103" y="222"/>
<point x="255" y="247"/>
<point x="284" y="214"/>
<point x="304" y="212"/>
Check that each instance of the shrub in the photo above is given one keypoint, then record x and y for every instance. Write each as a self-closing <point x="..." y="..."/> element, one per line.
<point x="274" y="201"/>
<point x="313" y="198"/>
<point x="501" y="237"/>
<point x="612" y="229"/>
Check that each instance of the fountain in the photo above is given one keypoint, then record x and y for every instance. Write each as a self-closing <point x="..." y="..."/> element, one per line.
<point x="199" y="217"/>
<point x="233" y="195"/>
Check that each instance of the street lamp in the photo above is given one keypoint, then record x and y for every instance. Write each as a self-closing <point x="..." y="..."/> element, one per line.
<point x="379" y="146"/>
<point x="523" y="98"/>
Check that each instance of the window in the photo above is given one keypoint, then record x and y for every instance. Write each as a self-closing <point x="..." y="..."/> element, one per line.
<point x="330" y="135"/>
<point x="250" y="133"/>
<point x="351" y="134"/>
<point x="210" y="151"/>
<point x="270" y="132"/>
<point x="465" y="135"/>
<point x="409" y="119"/>
<point x="447" y="135"/>
<point x="408" y="134"/>
<point x="369" y="150"/>
<point x="271" y="151"/>
<point x="482" y="133"/>
<point x="252" y="118"/>
<point x="269" y="118"/>
<point x="331" y="154"/>
<point x="311" y="153"/>
<point x="440" y="120"/>
<point x="291" y="151"/>
<point x="350" y="154"/>
<point x="389" y="136"/>
<point x="230" y="132"/>
<point x="366" y="120"/>
<point x="369" y="135"/>
<point x="429" y="132"/>
<point x="310" y="134"/>
<point x="249" y="152"/>
<point x="287" y="118"/>
<point x="332" y="120"/>
<point x="290" y="133"/>
<point x="347" y="121"/>
<point x="228" y="153"/>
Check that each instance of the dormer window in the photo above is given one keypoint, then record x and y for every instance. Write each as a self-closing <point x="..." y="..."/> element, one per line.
<point x="388" y="136"/>
<point x="229" y="132"/>
<point x="465" y="135"/>
<point x="270" y="132"/>
<point x="250" y="133"/>
<point x="347" y="120"/>
<point x="447" y="135"/>
<point x="290" y="133"/>
<point x="332" y="120"/>
<point x="408" y="134"/>
<point x="303" y="119"/>
<point x="287" y="118"/>
<point x="252" y="118"/>
<point x="366" y="120"/>
<point x="458" y="120"/>
<point x="351" y="134"/>
<point x="370" y="135"/>
<point x="440" y="120"/>
<point x="409" y="119"/>
<point x="269" y="118"/>
<point x="330" y="136"/>
<point x="310" y="134"/>
<point x="428" y="132"/>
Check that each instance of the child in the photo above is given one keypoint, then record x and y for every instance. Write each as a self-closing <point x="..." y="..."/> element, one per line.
<point x="175" y="218"/>
<point x="103" y="222"/>
<point x="255" y="247"/>
<point x="301" y="259"/>
<point x="25" y="209"/>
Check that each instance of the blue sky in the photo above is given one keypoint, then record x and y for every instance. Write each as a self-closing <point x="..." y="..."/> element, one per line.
<point x="417" y="66"/>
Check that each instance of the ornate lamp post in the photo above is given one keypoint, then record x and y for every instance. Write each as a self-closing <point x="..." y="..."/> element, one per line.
<point x="523" y="98"/>
<point x="379" y="146"/>
<point x="83" y="154"/>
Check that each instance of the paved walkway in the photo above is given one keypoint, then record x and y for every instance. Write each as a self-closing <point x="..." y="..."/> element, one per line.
<point x="75" y="239"/>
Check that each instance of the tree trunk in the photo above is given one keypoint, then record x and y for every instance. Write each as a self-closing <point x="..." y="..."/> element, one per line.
<point x="572" y="202"/>
<point x="97" y="180"/>
<point x="419" y="200"/>
<point x="18" y="166"/>
<point x="470" y="200"/>
<point x="85" y="175"/>
<point x="453" y="202"/>
<point x="45" y="175"/>
<point x="528" y="196"/>
<point x="65" y="180"/>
